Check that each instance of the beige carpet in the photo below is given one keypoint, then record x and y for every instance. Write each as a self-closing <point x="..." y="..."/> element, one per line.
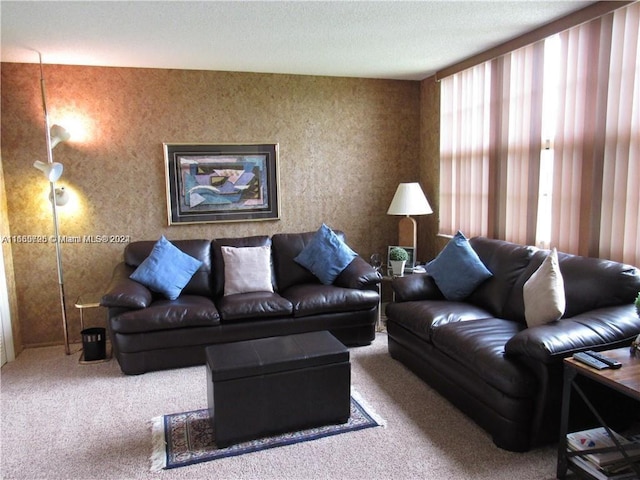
<point x="63" y="420"/>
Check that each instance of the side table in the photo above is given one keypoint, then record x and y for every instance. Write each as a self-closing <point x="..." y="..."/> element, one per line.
<point x="380" y="323"/>
<point x="387" y="278"/>
<point x="84" y="301"/>
<point x="625" y="380"/>
<point x="87" y="300"/>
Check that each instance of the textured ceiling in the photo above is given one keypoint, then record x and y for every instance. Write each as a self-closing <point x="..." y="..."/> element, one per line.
<point x="388" y="39"/>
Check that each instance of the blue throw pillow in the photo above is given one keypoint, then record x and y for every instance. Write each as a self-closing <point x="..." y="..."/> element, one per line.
<point x="166" y="270"/>
<point x="457" y="270"/>
<point x="326" y="256"/>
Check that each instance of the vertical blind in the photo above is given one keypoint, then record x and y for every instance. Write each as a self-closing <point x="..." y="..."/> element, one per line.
<point x="496" y="136"/>
<point x="464" y="182"/>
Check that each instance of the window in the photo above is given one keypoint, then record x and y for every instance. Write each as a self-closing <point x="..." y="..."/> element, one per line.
<point x="542" y="145"/>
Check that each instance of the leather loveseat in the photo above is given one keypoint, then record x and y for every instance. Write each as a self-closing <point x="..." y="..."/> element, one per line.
<point x="480" y="354"/>
<point x="150" y="332"/>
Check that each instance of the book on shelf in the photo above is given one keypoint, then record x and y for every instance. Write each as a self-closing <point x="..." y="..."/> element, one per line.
<point x="599" y="438"/>
<point x="626" y="474"/>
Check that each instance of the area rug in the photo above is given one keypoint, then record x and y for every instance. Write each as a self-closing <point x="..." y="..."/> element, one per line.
<point x="182" y="439"/>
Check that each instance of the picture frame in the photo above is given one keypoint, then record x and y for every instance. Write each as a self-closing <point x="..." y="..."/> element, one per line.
<point x="208" y="183"/>
<point x="411" y="263"/>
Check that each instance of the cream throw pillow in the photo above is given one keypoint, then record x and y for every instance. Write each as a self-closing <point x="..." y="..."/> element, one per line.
<point x="544" y="299"/>
<point x="247" y="269"/>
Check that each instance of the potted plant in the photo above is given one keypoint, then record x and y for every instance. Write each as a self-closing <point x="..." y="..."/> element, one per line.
<point x="637" y="302"/>
<point x="398" y="257"/>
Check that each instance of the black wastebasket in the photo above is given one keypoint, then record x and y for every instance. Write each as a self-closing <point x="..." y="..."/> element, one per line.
<point x="94" y="344"/>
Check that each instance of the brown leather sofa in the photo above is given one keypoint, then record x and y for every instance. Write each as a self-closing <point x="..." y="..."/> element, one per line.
<point x="149" y="332"/>
<point x="480" y="355"/>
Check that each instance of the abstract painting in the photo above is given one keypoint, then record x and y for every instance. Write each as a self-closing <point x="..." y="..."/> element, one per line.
<point x="221" y="183"/>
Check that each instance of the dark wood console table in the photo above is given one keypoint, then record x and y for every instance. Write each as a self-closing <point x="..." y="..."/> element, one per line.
<point x="625" y="380"/>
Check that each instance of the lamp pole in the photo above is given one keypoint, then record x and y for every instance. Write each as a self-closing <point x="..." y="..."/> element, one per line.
<point x="54" y="210"/>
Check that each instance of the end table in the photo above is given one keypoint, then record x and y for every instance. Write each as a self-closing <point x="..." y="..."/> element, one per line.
<point x="84" y="301"/>
<point x="87" y="300"/>
<point x="625" y="380"/>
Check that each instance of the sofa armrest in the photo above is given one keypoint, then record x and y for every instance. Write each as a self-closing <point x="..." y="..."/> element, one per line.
<point x="417" y="286"/>
<point x="601" y="329"/>
<point x="125" y="293"/>
<point x="359" y="275"/>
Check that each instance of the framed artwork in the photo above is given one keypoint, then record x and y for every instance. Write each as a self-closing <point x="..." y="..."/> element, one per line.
<point x="221" y="182"/>
<point x="411" y="263"/>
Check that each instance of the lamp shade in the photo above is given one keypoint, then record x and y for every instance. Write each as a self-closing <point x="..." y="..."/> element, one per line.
<point x="58" y="134"/>
<point x="53" y="171"/>
<point x="409" y="200"/>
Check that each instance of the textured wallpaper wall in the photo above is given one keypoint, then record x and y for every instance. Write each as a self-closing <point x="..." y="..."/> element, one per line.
<point x="7" y="259"/>
<point x="345" y="144"/>
<point x="428" y="240"/>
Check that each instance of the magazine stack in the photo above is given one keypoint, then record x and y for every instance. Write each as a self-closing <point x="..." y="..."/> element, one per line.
<point x="604" y="466"/>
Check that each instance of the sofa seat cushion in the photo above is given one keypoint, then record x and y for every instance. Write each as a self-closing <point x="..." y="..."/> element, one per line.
<point x="479" y="345"/>
<point x="253" y="306"/>
<point x="421" y="317"/>
<point x="163" y="314"/>
<point x="315" y="299"/>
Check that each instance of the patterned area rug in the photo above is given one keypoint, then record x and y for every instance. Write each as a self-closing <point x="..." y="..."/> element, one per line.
<point x="182" y="439"/>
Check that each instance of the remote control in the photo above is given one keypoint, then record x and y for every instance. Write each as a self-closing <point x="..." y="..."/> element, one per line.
<point x="589" y="360"/>
<point x="609" y="361"/>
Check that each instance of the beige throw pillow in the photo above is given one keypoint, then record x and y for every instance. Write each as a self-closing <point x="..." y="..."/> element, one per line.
<point x="544" y="299"/>
<point x="247" y="269"/>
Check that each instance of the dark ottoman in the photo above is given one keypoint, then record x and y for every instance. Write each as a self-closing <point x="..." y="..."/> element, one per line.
<point x="266" y="386"/>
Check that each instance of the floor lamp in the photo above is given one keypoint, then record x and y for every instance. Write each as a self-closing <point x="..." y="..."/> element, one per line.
<point x="52" y="171"/>
<point x="409" y="200"/>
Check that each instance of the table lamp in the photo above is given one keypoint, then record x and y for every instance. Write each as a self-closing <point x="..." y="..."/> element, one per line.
<point x="409" y="200"/>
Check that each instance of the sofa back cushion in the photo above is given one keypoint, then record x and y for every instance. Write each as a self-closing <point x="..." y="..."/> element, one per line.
<point x="506" y="261"/>
<point x="287" y="246"/>
<point x="218" y="259"/>
<point x="591" y="283"/>
<point x="200" y="284"/>
<point x="326" y="255"/>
